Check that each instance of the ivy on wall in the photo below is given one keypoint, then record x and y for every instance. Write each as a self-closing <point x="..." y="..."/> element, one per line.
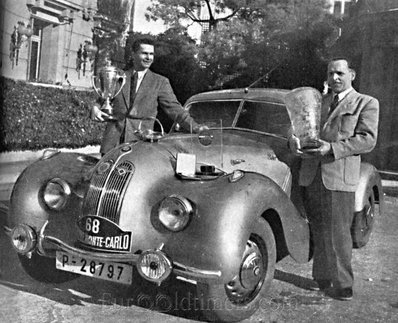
<point x="35" y="117"/>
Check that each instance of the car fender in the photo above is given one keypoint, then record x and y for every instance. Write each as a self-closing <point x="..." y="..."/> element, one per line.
<point x="26" y="201"/>
<point x="226" y="214"/>
<point x="369" y="180"/>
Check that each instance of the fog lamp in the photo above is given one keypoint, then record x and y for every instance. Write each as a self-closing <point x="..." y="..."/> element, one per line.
<point x="56" y="193"/>
<point x="175" y="212"/>
<point x="23" y="238"/>
<point x="154" y="266"/>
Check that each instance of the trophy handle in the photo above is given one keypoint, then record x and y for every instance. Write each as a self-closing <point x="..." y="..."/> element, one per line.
<point x="93" y="77"/>
<point x="123" y="77"/>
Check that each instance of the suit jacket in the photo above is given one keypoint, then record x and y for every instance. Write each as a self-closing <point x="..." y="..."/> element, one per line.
<point x="352" y="130"/>
<point x="155" y="90"/>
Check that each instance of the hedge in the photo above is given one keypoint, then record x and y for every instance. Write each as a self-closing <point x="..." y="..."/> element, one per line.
<point x="37" y="117"/>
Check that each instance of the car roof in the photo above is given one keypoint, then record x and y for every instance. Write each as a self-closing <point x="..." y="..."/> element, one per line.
<point x="256" y="94"/>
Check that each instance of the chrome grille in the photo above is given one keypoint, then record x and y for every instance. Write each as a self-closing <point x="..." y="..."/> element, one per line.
<point x="107" y="187"/>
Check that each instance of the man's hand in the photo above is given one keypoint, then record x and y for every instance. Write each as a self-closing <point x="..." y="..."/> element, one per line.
<point x="324" y="149"/>
<point x="199" y="128"/>
<point x="98" y="115"/>
<point x="294" y="145"/>
<point x="295" y="148"/>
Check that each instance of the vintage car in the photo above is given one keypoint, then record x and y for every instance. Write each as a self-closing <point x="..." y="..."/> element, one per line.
<point x="216" y="209"/>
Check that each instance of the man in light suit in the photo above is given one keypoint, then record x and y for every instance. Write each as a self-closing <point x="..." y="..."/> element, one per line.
<point x="139" y="99"/>
<point x="330" y="175"/>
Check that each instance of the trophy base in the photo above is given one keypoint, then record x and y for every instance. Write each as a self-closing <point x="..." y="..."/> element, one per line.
<point x="310" y="145"/>
<point x="109" y="113"/>
<point x="109" y="118"/>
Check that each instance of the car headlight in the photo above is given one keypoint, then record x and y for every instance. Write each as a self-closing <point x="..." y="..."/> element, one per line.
<point x="56" y="193"/>
<point x="23" y="238"/>
<point x="175" y="212"/>
<point x="154" y="266"/>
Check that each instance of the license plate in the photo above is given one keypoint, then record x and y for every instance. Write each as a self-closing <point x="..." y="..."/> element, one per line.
<point x="107" y="270"/>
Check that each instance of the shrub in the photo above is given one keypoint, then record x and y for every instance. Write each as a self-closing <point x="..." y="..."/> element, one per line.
<point x="35" y="117"/>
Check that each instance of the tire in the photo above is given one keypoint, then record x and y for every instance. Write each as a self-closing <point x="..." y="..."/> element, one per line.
<point x="362" y="225"/>
<point x="241" y="297"/>
<point x="43" y="269"/>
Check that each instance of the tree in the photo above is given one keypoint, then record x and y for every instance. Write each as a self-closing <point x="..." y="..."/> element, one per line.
<point x="176" y="12"/>
<point x="175" y="57"/>
<point x="248" y="39"/>
<point x="290" y="33"/>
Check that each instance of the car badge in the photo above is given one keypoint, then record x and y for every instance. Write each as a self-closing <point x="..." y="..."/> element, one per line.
<point x="102" y="168"/>
<point x="121" y="171"/>
<point x="124" y="168"/>
<point x="125" y="149"/>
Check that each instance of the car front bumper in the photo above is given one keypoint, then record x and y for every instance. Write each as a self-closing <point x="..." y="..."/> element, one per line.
<point x="187" y="273"/>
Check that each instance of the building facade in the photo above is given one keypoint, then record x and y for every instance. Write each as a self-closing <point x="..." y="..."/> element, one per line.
<point x="51" y="41"/>
<point x="341" y="8"/>
<point x="48" y="41"/>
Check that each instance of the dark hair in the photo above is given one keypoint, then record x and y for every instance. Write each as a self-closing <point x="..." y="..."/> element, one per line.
<point x="342" y="58"/>
<point x="140" y="41"/>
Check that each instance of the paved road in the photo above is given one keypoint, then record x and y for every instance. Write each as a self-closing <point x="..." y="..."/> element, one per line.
<point x="87" y="300"/>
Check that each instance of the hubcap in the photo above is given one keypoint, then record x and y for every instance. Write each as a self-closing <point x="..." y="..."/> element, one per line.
<point x="252" y="267"/>
<point x="244" y="287"/>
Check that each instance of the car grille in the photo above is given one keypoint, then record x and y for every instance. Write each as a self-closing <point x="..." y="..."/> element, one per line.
<point x="107" y="187"/>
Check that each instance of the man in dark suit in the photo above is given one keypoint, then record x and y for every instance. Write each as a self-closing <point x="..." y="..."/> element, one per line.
<point x="139" y="99"/>
<point x="330" y="175"/>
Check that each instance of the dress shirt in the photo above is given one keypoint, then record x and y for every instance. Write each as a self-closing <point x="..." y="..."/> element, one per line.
<point x="343" y="94"/>
<point x="140" y="75"/>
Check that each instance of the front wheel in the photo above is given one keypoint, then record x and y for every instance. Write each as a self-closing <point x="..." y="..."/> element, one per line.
<point x="240" y="297"/>
<point x="43" y="269"/>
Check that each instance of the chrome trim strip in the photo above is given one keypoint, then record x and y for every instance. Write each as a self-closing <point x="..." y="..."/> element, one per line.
<point x="193" y="272"/>
<point x="7" y="230"/>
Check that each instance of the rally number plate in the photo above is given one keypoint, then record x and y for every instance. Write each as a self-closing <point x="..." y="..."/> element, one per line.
<point x="112" y="271"/>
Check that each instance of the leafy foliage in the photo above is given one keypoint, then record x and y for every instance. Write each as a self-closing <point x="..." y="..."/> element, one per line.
<point x="175" y="58"/>
<point x="176" y="12"/>
<point x="287" y="39"/>
<point x="34" y="117"/>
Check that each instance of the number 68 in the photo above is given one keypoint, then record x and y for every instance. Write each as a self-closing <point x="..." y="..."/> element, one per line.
<point x="92" y="225"/>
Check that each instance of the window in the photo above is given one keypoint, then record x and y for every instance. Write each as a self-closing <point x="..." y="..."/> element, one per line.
<point x="35" y="49"/>
<point x="337" y="8"/>
<point x="264" y="116"/>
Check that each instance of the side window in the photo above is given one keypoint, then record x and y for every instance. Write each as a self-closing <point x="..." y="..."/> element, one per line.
<point x="266" y="117"/>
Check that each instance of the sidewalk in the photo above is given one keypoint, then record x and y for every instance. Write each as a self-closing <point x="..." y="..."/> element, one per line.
<point x="13" y="163"/>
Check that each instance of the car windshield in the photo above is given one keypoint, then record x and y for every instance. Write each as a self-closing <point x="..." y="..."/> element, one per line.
<point x="262" y="116"/>
<point x="207" y="111"/>
<point x="265" y="117"/>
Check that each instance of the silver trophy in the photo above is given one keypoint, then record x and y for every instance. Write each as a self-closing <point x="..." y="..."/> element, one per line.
<point x="304" y="107"/>
<point x="108" y="84"/>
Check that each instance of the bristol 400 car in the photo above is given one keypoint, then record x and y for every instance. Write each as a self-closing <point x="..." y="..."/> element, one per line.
<point x="216" y="208"/>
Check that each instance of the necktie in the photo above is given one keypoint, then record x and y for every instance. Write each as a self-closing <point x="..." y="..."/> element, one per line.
<point x="133" y="88"/>
<point x="334" y="104"/>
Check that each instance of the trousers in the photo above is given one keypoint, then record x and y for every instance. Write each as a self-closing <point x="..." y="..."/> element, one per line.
<point x="330" y="214"/>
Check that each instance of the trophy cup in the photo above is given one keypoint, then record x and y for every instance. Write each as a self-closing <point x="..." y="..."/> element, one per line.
<point x="108" y="84"/>
<point x="304" y="108"/>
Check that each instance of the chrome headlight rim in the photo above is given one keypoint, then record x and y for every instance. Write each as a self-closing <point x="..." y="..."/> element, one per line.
<point x="181" y="215"/>
<point x="56" y="193"/>
<point x="23" y="238"/>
